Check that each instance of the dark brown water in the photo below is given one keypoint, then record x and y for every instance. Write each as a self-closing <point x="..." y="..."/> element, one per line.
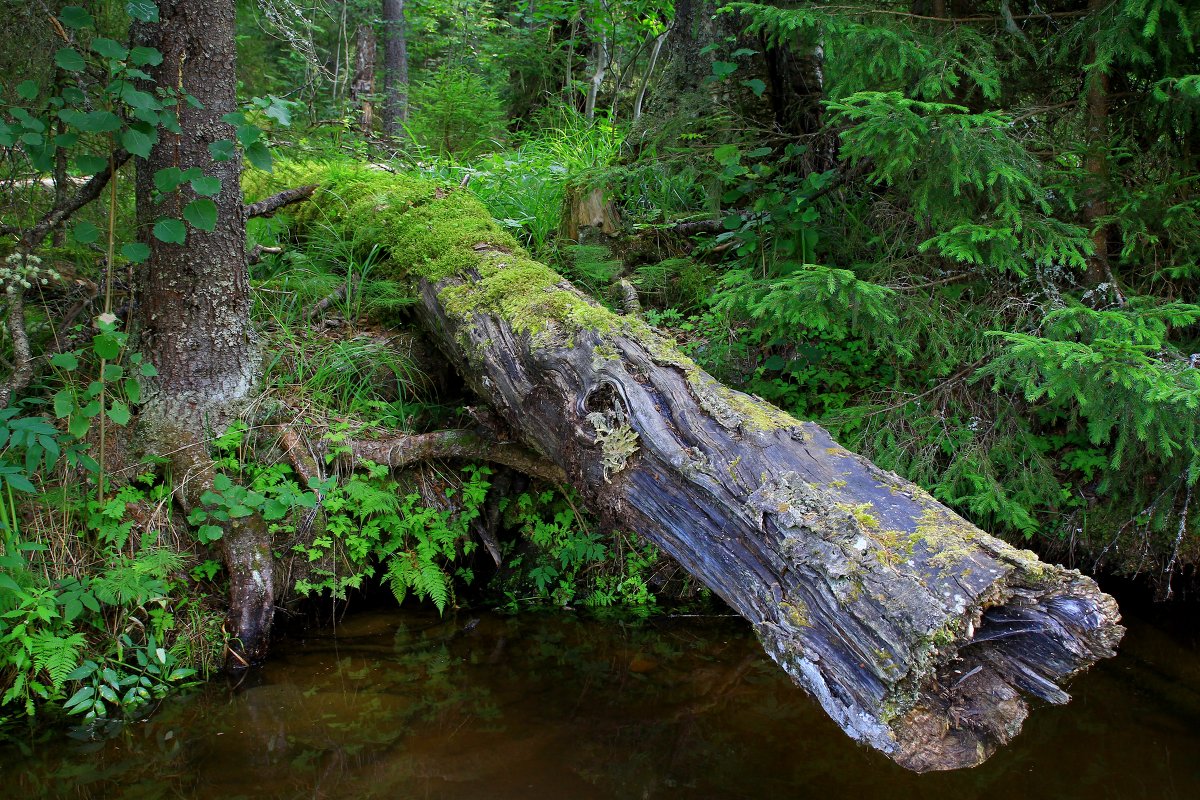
<point x="403" y="705"/>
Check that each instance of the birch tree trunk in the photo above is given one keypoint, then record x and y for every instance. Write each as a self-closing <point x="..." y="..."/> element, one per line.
<point x="589" y="107"/>
<point x="919" y="634"/>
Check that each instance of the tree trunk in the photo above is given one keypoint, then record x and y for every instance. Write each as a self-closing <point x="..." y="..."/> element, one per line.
<point x="363" y="87"/>
<point x="194" y="298"/>
<point x="589" y="106"/>
<point x="395" y="67"/>
<point x="193" y="304"/>
<point x="1099" y="272"/>
<point x="919" y="634"/>
<point x="654" y="51"/>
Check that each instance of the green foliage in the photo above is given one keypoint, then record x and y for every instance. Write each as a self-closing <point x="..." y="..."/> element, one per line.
<point x="567" y="561"/>
<point x="966" y="176"/>
<point x="1117" y="371"/>
<point x="370" y="527"/>
<point x="867" y="50"/>
<point x="455" y="112"/>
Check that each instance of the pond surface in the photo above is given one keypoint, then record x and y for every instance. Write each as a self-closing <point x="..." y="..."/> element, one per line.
<point x="404" y="705"/>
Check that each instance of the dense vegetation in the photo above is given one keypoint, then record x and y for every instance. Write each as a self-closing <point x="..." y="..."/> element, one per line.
<point x="961" y="235"/>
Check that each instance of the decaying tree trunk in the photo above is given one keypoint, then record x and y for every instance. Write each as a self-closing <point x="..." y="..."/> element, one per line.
<point x="918" y="633"/>
<point x="362" y="89"/>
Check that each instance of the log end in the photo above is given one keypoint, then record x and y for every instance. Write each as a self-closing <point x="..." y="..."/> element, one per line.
<point x="1022" y="651"/>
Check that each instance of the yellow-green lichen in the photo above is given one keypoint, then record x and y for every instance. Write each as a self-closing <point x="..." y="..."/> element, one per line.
<point x="796" y="613"/>
<point x="617" y="441"/>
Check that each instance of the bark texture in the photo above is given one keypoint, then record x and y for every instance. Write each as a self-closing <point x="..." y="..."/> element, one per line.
<point x="362" y="90"/>
<point x="918" y="633"/>
<point x="194" y="299"/>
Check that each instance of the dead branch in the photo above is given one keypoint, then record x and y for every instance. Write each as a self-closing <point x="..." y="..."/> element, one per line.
<point x="269" y="205"/>
<point x="34" y="236"/>
<point x="404" y="450"/>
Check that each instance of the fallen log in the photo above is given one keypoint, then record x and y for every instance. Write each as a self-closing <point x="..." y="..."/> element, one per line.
<point x="919" y="634"/>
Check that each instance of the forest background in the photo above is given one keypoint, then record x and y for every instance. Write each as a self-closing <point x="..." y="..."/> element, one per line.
<point x="961" y="235"/>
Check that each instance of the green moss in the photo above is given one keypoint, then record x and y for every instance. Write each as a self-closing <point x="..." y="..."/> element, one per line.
<point x="862" y="513"/>
<point x="439" y="234"/>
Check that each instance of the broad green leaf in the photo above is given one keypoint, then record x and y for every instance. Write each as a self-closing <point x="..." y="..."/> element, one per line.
<point x="133" y="390"/>
<point x="85" y="232"/>
<point x="19" y="482"/>
<point x="727" y="154"/>
<point x="168" y="179"/>
<point x="143" y="56"/>
<point x="248" y="134"/>
<point x="64" y="403"/>
<point x="206" y="186"/>
<point x="78" y="425"/>
<point x="91" y="121"/>
<point x="279" y="111"/>
<point x="68" y="58"/>
<point x="723" y="69"/>
<point x="109" y="49"/>
<point x="208" y="533"/>
<point x="142" y="10"/>
<point x="139" y="139"/>
<point x="201" y="214"/>
<point x="66" y="361"/>
<point x="106" y="346"/>
<point x="119" y="413"/>
<point x="90" y="164"/>
<point x="221" y="150"/>
<point x="757" y="86"/>
<point x="170" y="230"/>
<point x="137" y="252"/>
<point x="259" y="156"/>
<point x="27" y="89"/>
<point x="149" y="370"/>
<point x="136" y="98"/>
<point x="75" y="18"/>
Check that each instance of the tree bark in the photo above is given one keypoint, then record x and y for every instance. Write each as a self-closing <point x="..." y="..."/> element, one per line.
<point x="194" y="298"/>
<point x="601" y="67"/>
<point x="654" y="51"/>
<point x="363" y="87"/>
<point x="193" y="308"/>
<point x="919" y="634"/>
<point x="395" y="67"/>
<point x="1099" y="271"/>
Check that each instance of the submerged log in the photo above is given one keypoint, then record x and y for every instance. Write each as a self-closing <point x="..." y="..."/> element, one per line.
<point x="919" y="634"/>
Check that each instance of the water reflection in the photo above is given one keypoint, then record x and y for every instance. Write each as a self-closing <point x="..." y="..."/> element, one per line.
<point x="407" y="705"/>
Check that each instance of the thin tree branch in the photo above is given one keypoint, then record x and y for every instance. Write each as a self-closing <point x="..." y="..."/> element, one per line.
<point x="406" y="449"/>
<point x="22" y="360"/>
<point x="59" y="214"/>
<point x="269" y="205"/>
<point x="974" y="18"/>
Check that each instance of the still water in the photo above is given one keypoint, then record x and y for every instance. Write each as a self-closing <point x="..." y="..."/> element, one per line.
<point x="405" y="705"/>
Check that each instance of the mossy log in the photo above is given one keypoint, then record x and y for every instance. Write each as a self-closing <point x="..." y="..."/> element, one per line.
<point x="919" y="634"/>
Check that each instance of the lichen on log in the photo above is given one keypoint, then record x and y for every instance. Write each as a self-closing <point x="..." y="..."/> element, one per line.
<point x="919" y="634"/>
